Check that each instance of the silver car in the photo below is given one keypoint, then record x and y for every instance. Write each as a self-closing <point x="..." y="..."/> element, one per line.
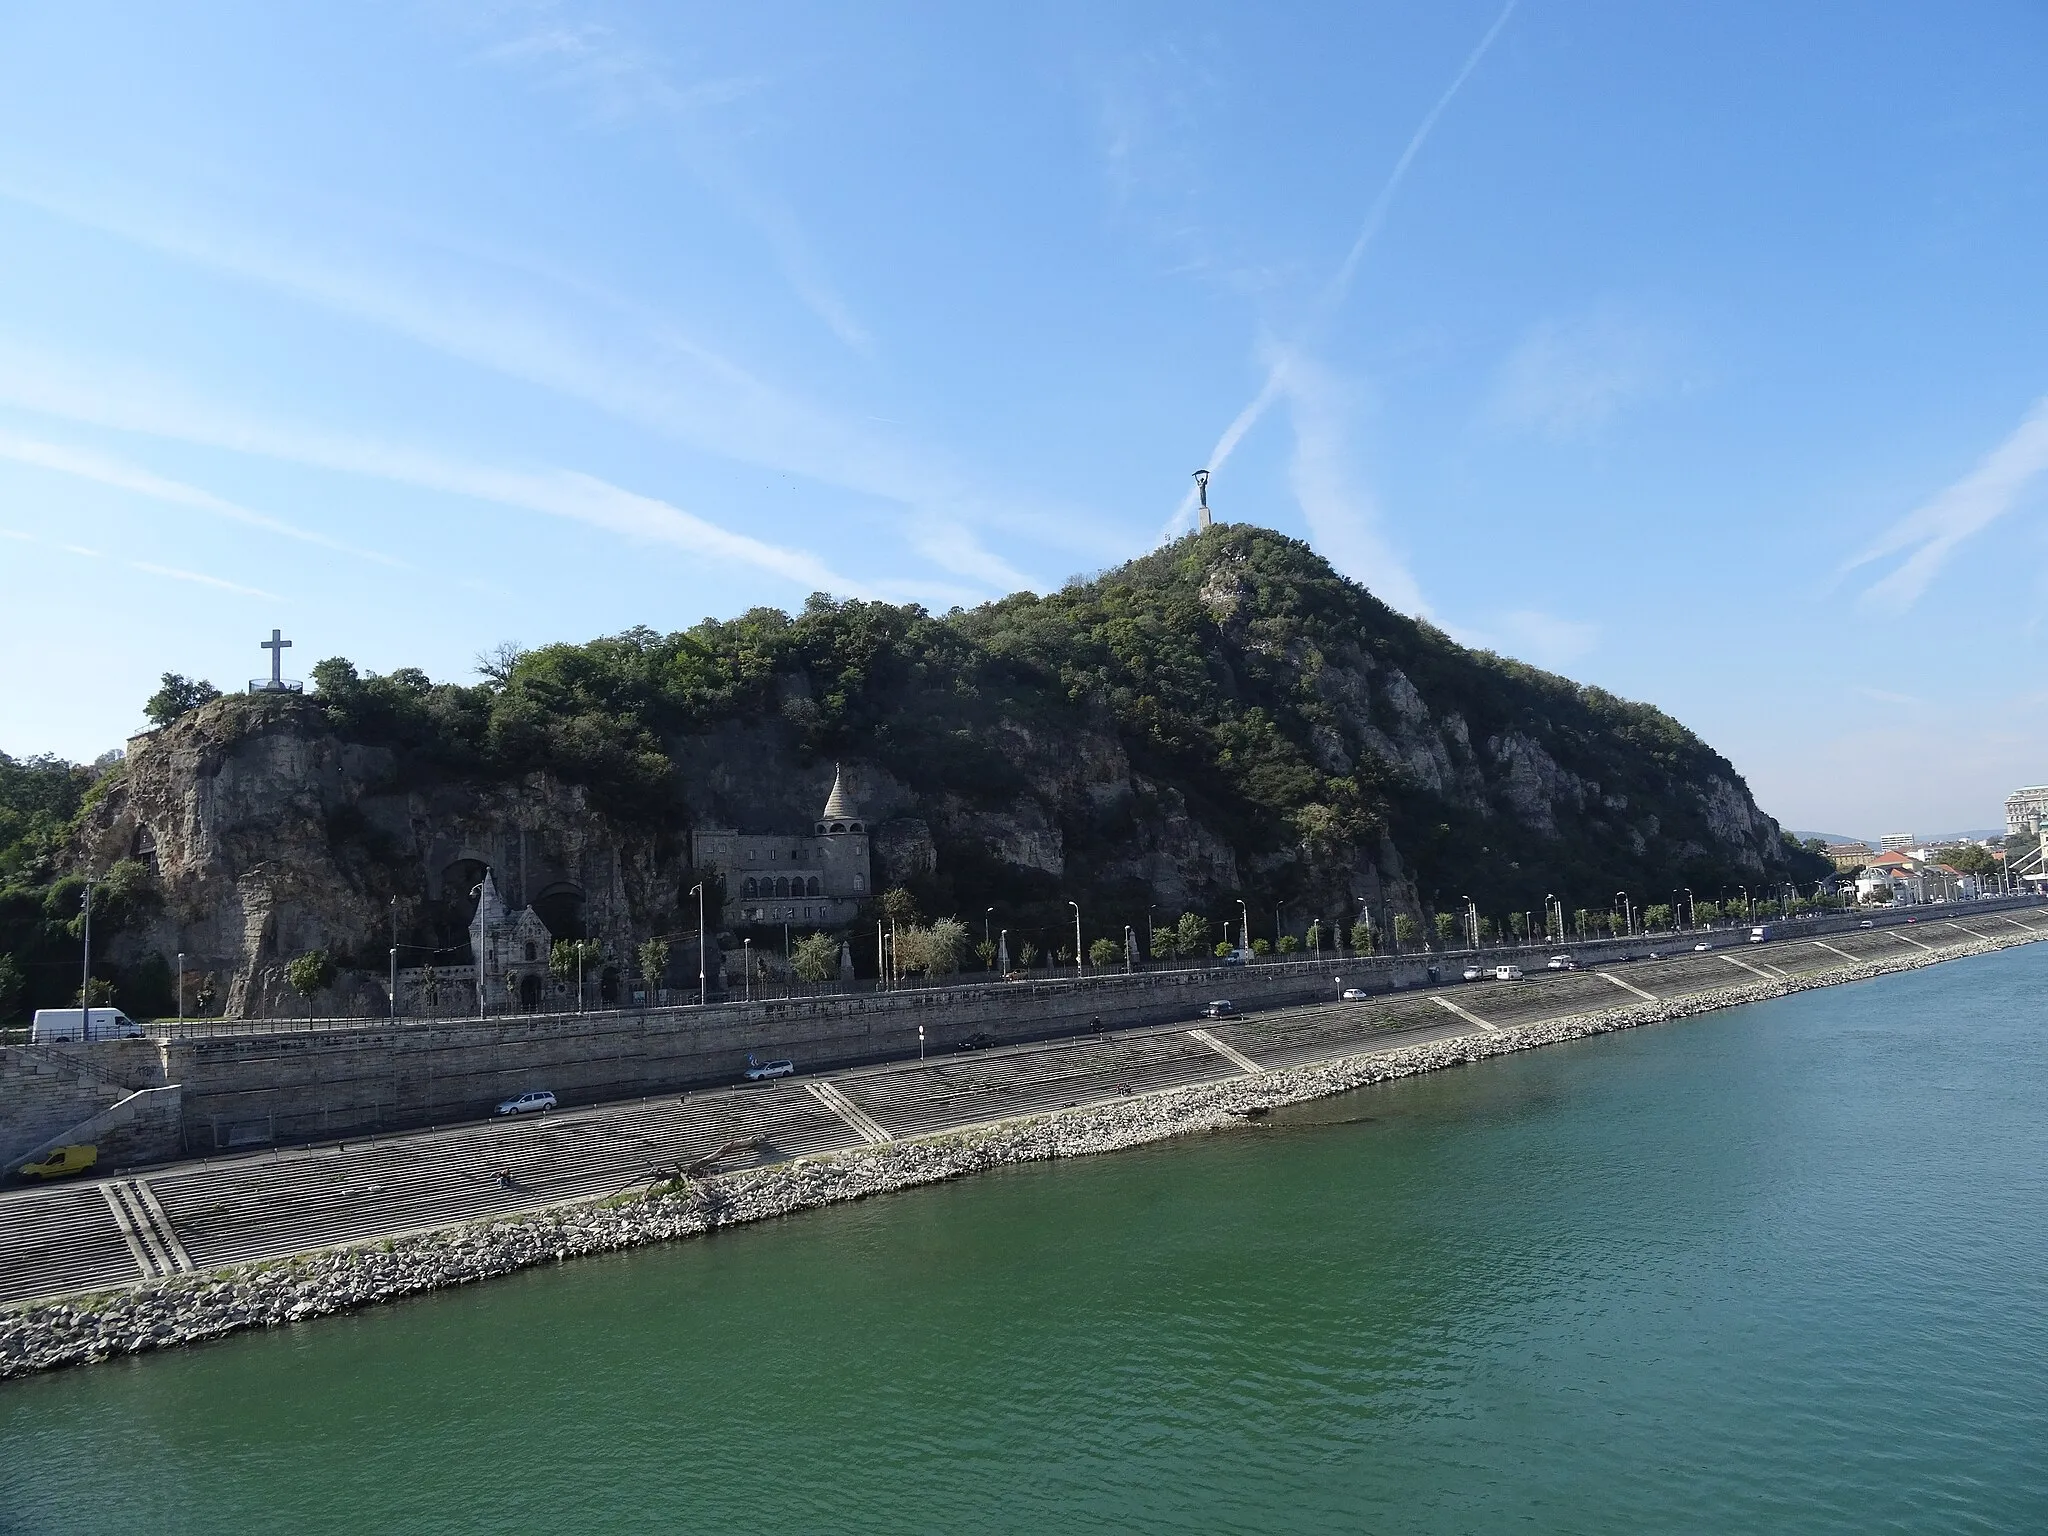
<point x="534" y="1101"/>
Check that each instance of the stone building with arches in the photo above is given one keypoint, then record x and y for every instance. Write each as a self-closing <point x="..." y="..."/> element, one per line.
<point x="819" y="879"/>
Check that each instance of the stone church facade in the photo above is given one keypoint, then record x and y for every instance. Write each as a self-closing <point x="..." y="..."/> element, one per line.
<point x="774" y="878"/>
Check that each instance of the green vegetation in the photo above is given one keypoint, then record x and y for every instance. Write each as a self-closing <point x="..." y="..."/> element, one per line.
<point x="310" y="974"/>
<point x="177" y="696"/>
<point x="815" y="957"/>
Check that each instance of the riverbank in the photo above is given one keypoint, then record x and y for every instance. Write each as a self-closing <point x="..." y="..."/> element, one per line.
<point x="188" y="1309"/>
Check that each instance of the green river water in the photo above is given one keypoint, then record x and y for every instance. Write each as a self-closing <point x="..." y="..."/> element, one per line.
<point x="1778" y="1269"/>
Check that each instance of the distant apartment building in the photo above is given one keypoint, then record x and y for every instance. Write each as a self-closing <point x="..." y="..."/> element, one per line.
<point x="1894" y="842"/>
<point x="1848" y="856"/>
<point x="2026" y="811"/>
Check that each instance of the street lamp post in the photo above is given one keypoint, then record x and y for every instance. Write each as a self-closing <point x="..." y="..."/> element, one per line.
<point x="1244" y="933"/>
<point x="1151" y="933"/>
<point x="1278" y="908"/>
<point x="85" y="966"/>
<point x="1077" y="936"/>
<point x="181" y="988"/>
<point x="1129" y="945"/>
<point x="1471" y="920"/>
<point x="747" y="969"/>
<point x="703" y="992"/>
<point x="991" y="912"/>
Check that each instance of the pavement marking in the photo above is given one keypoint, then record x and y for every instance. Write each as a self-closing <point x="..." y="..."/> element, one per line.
<point x="1629" y="986"/>
<point x="2024" y="927"/>
<point x="1225" y="1051"/>
<point x="840" y="1105"/>
<point x="1464" y="1013"/>
<point x="1852" y="959"/>
<point x="1972" y="932"/>
<point x="1731" y="960"/>
<point x="1894" y="933"/>
<point x="160" y="1219"/>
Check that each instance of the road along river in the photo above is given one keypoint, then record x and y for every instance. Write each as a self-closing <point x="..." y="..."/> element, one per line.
<point x="196" y="1249"/>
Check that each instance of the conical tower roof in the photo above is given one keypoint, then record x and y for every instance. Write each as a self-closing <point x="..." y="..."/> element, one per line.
<point x="838" y="804"/>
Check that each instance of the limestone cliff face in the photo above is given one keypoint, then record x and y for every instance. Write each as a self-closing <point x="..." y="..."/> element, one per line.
<point x="270" y="836"/>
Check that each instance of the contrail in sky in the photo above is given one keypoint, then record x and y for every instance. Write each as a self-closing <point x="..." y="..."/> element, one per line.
<point x="1340" y="284"/>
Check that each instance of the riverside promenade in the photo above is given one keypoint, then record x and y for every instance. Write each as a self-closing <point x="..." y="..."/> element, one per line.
<point x="191" y="1251"/>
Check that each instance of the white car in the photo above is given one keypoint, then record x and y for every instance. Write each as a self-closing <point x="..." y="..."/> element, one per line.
<point x="532" y="1102"/>
<point x="1701" y="949"/>
<point x="1563" y="963"/>
<point x="1473" y="973"/>
<point x="761" y="1071"/>
<point x="1507" y="973"/>
<point x="1354" y="995"/>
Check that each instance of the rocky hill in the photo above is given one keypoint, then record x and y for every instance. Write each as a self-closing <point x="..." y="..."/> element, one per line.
<point x="1224" y="719"/>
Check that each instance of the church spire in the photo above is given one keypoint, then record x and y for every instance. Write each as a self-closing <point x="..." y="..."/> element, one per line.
<point x="838" y="804"/>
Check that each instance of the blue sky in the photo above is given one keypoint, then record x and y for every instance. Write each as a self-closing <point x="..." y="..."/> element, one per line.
<point x="1701" y="353"/>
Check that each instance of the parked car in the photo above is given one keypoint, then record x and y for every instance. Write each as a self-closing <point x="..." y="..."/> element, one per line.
<point x="1866" y="923"/>
<point x="1562" y="963"/>
<point x="1237" y="957"/>
<point x="761" y="1071"/>
<point x="1701" y="949"/>
<point x="62" y="1162"/>
<point x="1473" y="973"/>
<point x="980" y="1040"/>
<point x="1507" y="973"/>
<point x="1354" y="995"/>
<point x="1221" y="1008"/>
<point x="534" y="1101"/>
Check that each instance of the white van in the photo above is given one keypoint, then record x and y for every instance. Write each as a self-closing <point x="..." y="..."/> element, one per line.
<point x="54" y="1024"/>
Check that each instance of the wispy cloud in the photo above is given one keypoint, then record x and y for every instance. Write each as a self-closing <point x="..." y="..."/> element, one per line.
<point x="218" y="583"/>
<point x="1339" y="286"/>
<point x="622" y="80"/>
<point x="1533" y="636"/>
<point x="202" y="579"/>
<point x="636" y="366"/>
<point x="1881" y="696"/>
<point x="130" y="403"/>
<point x="1568" y="378"/>
<point x="107" y="471"/>
<point x="1934" y="529"/>
<point x="1343" y="516"/>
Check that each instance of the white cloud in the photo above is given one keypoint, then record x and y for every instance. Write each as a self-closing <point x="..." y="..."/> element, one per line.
<point x="1569" y="378"/>
<point x="202" y="579"/>
<point x="1530" y="635"/>
<point x="1343" y="516"/>
<point x="103" y="470"/>
<point x="630" y="363"/>
<point x="1335" y="291"/>
<point x="132" y="404"/>
<point x="1934" y="529"/>
<point x="623" y="81"/>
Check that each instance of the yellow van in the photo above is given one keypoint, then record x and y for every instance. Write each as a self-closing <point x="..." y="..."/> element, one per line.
<point x="62" y="1161"/>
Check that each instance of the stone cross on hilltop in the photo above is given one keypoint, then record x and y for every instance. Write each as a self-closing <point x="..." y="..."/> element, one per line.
<point x="277" y="645"/>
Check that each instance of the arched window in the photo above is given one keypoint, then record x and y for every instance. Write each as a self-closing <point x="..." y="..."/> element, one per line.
<point x="751" y="888"/>
<point x="838" y="826"/>
<point x="860" y="882"/>
<point x="812" y="888"/>
<point x="782" y="887"/>
<point x="530" y="954"/>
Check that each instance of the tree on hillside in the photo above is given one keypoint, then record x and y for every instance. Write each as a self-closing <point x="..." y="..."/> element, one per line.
<point x="177" y="696"/>
<point x="1446" y="929"/>
<point x="312" y="973"/>
<point x="1406" y="930"/>
<point x="1363" y="940"/>
<point x="899" y="907"/>
<point x="1104" y="953"/>
<point x="1190" y="933"/>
